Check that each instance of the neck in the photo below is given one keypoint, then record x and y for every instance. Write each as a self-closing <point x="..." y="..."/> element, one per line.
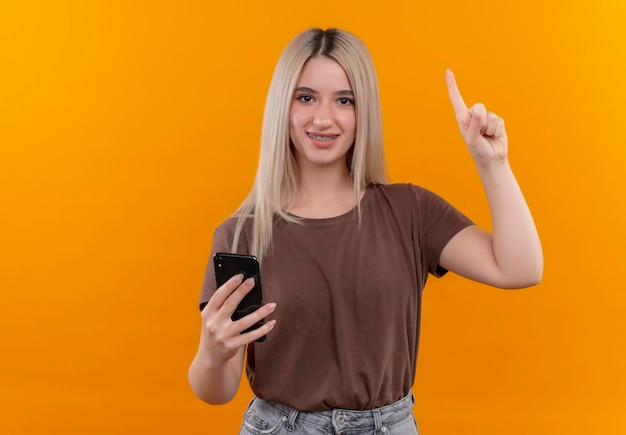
<point x="323" y="191"/>
<point x="324" y="181"/>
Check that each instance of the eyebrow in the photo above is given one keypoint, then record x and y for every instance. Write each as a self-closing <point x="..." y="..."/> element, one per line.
<point x="304" y="89"/>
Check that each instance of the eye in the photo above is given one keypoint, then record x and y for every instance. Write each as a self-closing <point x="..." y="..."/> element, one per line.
<point x="344" y="101"/>
<point x="305" y="98"/>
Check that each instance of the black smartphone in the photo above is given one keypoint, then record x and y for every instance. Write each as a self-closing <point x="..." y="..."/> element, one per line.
<point x="228" y="265"/>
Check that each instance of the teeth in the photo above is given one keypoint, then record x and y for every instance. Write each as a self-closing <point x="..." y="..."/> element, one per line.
<point x="322" y="138"/>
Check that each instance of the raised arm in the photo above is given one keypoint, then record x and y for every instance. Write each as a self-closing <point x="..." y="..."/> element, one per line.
<point x="510" y="257"/>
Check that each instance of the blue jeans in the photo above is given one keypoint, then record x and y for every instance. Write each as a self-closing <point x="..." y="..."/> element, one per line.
<point x="268" y="418"/>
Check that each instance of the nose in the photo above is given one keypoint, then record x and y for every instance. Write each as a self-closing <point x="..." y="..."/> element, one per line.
<point x="322" y="118"/>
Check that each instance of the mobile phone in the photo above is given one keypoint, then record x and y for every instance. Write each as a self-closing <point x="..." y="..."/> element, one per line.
<point x="228" y="265"/>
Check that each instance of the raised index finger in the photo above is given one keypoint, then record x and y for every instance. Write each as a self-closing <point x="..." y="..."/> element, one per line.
<point x="455" y="96"/>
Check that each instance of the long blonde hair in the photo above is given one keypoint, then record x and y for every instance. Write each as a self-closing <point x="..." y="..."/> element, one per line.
<point x="277" y="174"/>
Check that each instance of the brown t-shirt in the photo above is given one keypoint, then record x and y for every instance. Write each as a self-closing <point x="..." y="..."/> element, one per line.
<point x="348" y="299"/>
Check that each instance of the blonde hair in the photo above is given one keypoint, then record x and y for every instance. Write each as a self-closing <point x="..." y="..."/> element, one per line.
<point x="277" y="174"/>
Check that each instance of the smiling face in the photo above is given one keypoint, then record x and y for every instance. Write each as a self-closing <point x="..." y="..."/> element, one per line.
<point x="322" y="118"/>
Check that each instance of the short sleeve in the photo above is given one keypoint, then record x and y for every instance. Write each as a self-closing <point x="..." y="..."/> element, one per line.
<point x="222" y="242"/>
<point x="437" y="222"/>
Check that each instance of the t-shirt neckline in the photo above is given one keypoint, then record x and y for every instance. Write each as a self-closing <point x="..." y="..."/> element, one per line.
<point x="338" y="218"/>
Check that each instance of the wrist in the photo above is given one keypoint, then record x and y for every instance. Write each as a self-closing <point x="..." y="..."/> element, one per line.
<point x="493" y="167"/>
<point x="208" y="361"/>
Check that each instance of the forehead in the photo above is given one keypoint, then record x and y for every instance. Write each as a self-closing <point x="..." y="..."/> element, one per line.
<point x="322" y="73"/>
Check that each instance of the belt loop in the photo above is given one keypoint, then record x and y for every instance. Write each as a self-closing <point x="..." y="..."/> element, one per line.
<point x="378" y="421"/>
<point x="293" y="414"/>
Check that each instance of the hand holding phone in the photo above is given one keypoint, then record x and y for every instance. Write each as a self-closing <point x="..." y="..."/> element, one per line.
<point x="228" y="265"/>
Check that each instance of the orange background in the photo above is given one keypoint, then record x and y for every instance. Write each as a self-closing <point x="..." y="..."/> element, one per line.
<point x="129" y="130"/>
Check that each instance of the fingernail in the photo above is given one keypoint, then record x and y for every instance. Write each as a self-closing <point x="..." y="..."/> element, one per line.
<point x="271" y="306"/>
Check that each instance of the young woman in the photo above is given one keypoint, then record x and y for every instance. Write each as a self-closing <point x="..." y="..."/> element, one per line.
<point x="344" y="254"/>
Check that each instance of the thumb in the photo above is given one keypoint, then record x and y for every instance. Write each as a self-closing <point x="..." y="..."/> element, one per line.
<point x="477" y="118"/>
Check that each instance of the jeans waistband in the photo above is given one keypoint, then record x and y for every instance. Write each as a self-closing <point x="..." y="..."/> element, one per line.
<point x="346" y="419"/>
